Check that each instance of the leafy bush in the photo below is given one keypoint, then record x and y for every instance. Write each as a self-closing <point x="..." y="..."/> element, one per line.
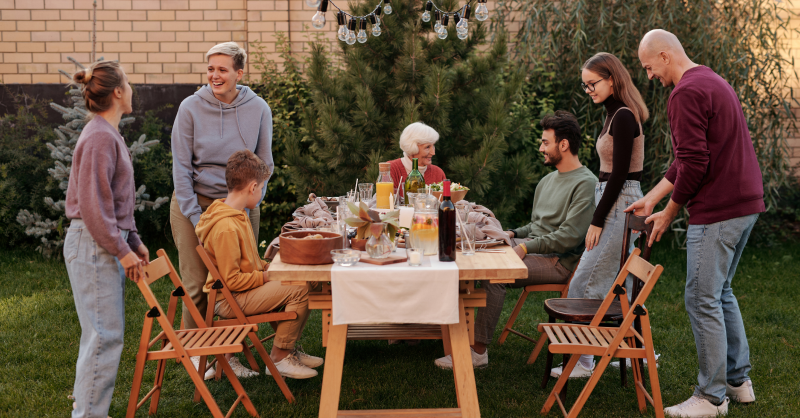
<point x="746" y="45"/>
<point x="24" y="160"/>
<point x="286" y="93"/>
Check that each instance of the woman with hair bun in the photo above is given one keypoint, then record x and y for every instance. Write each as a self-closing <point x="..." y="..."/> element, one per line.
<point x="100" y="252"/>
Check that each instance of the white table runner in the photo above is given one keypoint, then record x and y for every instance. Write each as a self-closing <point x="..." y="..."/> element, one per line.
<point x="395" y="293"/>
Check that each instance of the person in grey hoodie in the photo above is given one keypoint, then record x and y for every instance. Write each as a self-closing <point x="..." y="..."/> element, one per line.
<point x="216" y="121"/>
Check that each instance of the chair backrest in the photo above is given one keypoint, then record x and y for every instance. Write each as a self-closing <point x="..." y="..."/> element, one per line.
<point x="643" y="272"/>
<point x="157" y="269"/>
<point x="219" y="285"/>
<point x="636" y="223"/>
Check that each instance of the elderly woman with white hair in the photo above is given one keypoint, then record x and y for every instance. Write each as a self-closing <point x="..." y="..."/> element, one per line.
<point x="418" y="140"/>
<point x="219" y="119"/>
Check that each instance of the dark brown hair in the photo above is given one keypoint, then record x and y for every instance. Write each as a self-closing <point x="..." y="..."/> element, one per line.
<point x="244" y="167"/>
<point x="98" y="83"/>
<point x="607" y="65"/>
<point x="565" y="125"/>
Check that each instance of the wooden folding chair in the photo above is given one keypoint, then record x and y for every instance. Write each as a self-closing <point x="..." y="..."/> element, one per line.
<point x="240" y="319"/>
<point x="182" y="344"/>
<point x="609" y="342"/>
<point x="562" y="288"/>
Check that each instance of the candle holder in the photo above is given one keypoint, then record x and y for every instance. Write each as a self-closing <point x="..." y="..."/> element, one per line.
<point x="414" y="257"/>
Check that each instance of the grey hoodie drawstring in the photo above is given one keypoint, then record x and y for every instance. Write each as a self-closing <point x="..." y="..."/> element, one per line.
<point x="240" y="128"/>
<point x="220" y="118"/>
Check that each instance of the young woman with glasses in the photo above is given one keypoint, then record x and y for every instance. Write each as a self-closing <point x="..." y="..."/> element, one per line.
<point x="621" y="150"/>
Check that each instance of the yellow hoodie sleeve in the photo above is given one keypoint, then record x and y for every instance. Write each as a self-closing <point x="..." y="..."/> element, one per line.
<point x="228" y="254"/>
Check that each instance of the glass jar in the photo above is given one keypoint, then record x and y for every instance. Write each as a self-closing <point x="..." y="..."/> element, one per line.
<point x="379" y="246"/>
<point x="384" y="186"/>
<point x="425" y="229"/>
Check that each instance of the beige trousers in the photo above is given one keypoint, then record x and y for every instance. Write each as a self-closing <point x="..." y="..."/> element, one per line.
<point x="269" y="297"/>
<point x="193" y="271"/>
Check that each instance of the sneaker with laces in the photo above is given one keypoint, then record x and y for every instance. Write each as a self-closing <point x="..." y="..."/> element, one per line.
<point x="697" y="407"/>
<point x="578" y="372"/>
<point x="291" y="366"/>
<point x="239" y="370"/>
<point x="210" y="372"/>
<point x="479" y="361"/>
<point x="741" y="394"/>
<point x="628" y="362"/>
<point x="307" y="359"/>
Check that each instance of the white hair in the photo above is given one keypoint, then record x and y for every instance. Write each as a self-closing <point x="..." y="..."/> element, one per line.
<point x="415" y="134"/>
<point x="231" y="49"/>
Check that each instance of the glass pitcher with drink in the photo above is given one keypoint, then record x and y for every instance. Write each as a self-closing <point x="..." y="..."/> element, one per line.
<point x="384" y="186"/>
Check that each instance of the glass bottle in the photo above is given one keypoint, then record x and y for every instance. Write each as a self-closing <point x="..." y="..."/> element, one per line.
<point x="384" y="186"/>
<point x="447" y="225"/>
<point x="415" y="182"/>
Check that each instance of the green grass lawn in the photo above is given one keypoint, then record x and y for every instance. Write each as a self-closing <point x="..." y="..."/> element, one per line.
<point x="39" y="336"/>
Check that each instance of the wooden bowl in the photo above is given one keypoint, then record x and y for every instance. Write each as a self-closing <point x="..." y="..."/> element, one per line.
<point x="296" y="250"/>
<point x="454" y="196"/>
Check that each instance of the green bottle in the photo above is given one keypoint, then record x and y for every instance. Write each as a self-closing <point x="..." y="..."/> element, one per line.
<point x="415" y="183"/>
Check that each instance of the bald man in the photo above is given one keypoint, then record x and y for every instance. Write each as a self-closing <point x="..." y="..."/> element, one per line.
<point x="716" y="175"/>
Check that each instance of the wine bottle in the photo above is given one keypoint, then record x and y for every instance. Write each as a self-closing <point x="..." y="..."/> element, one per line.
<point x="447" y="225"/>
<point x="415" y="183"/>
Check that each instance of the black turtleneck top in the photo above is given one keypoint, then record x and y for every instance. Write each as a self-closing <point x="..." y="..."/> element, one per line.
<point x="624" y="130"/>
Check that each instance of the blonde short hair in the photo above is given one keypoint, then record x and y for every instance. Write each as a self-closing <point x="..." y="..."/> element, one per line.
<point x="231" y="49"/>
<point x="415" y="134"/>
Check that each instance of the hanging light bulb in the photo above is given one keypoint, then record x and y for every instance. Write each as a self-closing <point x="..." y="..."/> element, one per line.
<point x="426" y="15"/>
<point x="342" y="33"/>
<point x="461" y="22"/>
<point x="312" y="3"/>
<point x="351" y="35"/>
<point x="387" y="6"/>
<point x="376" y="29"/>
<point x="362" y="31"/>
<point x="481" y="12"/>
<point x="443" y="29"/>
<point x="318" y="21"/>
<point x="438" y="16"/>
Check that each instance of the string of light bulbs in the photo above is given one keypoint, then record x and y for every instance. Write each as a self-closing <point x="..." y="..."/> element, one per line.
<point x="347" y="34"/>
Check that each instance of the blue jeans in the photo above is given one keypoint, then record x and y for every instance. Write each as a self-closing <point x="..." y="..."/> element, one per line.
<point x="723" y="355"/>
<point x="98" y="286"/>
<point x="599" y="266"/>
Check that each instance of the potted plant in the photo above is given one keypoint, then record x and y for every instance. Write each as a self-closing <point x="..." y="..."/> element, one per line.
<point x="370" y="223"/>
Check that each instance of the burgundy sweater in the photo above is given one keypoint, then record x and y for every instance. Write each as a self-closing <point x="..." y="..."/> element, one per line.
<point x="101" y="189"/>
<point x="715" y="171"/>
<point x="433" y="174"/>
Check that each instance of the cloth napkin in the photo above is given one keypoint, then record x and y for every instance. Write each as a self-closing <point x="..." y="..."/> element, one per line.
<point x="488" y="226"/>
<point x="395" y="293"/>
<point x="311" y="215"/>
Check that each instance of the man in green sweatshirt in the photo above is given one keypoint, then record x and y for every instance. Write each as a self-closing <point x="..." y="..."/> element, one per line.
<point x="552" y="243"/>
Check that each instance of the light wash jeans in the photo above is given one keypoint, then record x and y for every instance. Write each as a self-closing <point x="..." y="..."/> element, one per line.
<point x="723" y="355"/>
<point x="599" y="266"/>
<point x="98" y="286"/>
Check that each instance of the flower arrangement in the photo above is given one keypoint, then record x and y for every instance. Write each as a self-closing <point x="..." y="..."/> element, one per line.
<point x="370" y="223"/>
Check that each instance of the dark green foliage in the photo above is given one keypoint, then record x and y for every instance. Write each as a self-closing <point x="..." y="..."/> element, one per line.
<point x="24" y="160"/>
<point x="743" y="41"/>
<point x="286" y="93"/>
<point x="363" y="98"/>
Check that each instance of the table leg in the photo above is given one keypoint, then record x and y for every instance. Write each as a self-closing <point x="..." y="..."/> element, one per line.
<point x="332" y="379"/>
<point x="462" y="367"/>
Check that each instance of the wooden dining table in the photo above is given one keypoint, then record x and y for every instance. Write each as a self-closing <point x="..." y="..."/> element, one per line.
<point x="505" y="267"/>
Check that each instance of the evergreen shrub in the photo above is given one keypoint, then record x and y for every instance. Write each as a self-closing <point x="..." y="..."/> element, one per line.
<point x="744" y="41"/>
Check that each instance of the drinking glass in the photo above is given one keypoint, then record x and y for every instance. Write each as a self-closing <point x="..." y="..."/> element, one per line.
<point x="365" y="191"/>
<point x="468" y="238"/>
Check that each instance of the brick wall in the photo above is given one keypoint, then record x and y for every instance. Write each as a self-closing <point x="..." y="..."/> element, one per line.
<point x="157" y="41"/>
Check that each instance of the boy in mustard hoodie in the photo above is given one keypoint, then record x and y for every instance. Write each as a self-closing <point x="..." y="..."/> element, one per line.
<point x="227" y="236"/>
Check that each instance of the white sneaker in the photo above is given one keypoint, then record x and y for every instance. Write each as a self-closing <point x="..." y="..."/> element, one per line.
<point x="697" y="407"/>
<point x="743" y="393"/>
<point x="628" y="362"/>
<point x="307" y="359"/>
<point x="239" y="370"/>
<point x="578" y="372"/>
<point x="210" y="372"/>
<point x="479" y="361"/>
<point x="291" y="366"/>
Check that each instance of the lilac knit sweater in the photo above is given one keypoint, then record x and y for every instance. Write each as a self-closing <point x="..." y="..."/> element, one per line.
<point x="101" y="189"/>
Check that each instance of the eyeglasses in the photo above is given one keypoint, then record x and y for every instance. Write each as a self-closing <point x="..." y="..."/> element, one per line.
<point x="590" y="86"/>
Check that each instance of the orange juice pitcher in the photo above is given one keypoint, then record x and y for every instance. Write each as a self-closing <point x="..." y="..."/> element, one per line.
<point x="384" y="186"/>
